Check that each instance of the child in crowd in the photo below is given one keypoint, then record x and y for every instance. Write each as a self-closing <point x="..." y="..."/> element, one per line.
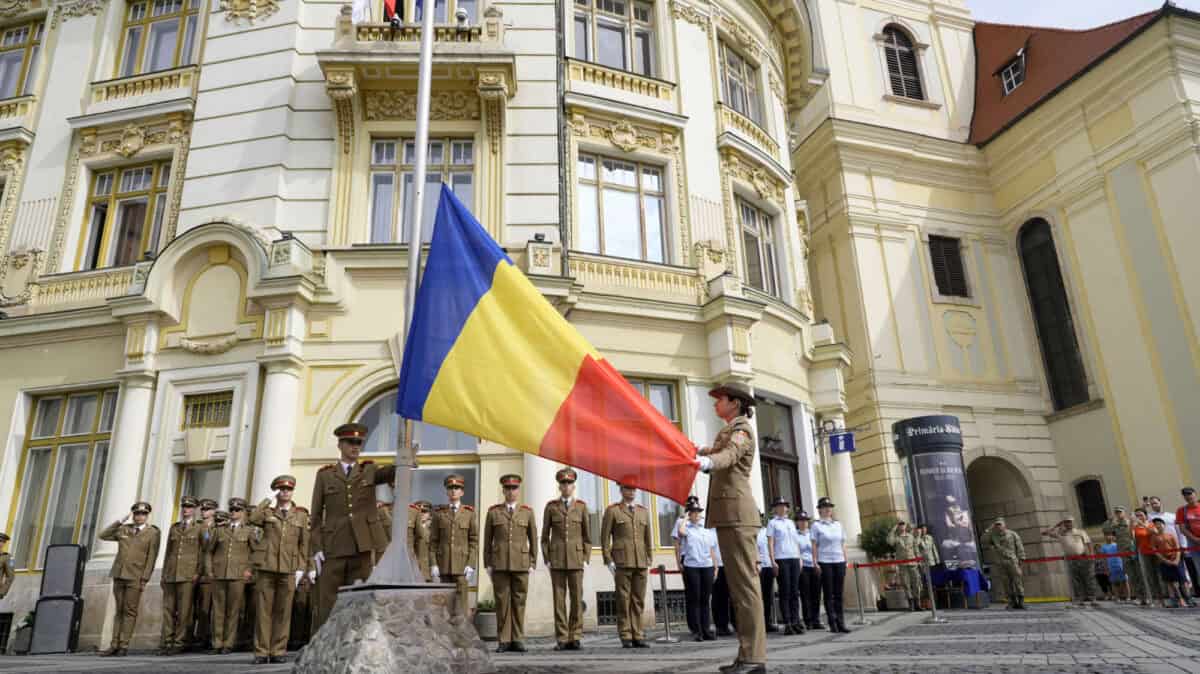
<point x="1166" y="551"/>
<point x="1117" y="579"/>
<point x="1101" y="570"/>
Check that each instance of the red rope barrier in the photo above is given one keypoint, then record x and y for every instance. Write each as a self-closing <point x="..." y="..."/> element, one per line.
<point x="889" y="562"/>
<point x="655" y="571"/>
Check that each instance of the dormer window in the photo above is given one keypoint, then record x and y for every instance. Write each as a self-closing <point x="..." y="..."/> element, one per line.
<point x="1013" y="74"/>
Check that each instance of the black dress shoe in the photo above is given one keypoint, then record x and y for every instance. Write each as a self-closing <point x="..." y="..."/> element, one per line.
<point x="561" y="646"/>
<point x="226" y="651"/>
<point x="626" y="643"/>
<point x="574" y="645"/>
<point x="260" y="660"/>
<point x="709" y="636"/>
<point x="730" y="667"/>
<point x="750" y="668"/>
<point x="123" y="652"/>
<point x="772" y="628"/>
<point x="816" y="626"/>
<point x="638" y="643"/>
<point x="841" y="627"/>
<point x="516" y="647"/>
<point x="112" y="652"/>
<point x="278" y="658"/>
<point x="724" y="633"/>
<point x="501" y="647"/>
<point x="798" y="629"/>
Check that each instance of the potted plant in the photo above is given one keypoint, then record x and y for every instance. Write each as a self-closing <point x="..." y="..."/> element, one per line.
<point x="24" y="634"/>
<point x="873" y="541"/>
<point x="485" y="619"/>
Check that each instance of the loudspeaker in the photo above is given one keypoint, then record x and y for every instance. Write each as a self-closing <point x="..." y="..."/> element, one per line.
<point x="63" y="572"/>
<point x="56" y="625"/>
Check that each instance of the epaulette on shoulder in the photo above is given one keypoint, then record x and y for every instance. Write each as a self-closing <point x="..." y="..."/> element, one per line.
<point x="468" y="508"/>
<point x="414" y="506"/>
<point x="442" y="508"/>
<point x="581" y="502"/>
<point x="153" y="527"/>
<point x="367" y="462"/>
<point x="498" y="505"/>
<point x="525" y="507"/>
<point x="613" y="505"/>
<point x="641" y="507"/>
<point x="328" y="466"/>
<point x="301" y="509"/>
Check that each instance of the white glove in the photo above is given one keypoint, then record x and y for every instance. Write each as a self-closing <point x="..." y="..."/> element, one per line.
<point x="470" y="574"/>
<point x="299" y="575"/>
<point x="319" y="558"/>
<point x="612" y="568"/>
<point x="704" y="463"/>
<point x="433" y="571"/>
<point x="312" y="576"/>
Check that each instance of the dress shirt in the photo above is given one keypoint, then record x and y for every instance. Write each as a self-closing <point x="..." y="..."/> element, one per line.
<point x="764" y="556"/>
<point x="782" y="533"/>
<point x="804" y="542"/>
<point x="697" y="544"/>
<point x="829" y="537"/>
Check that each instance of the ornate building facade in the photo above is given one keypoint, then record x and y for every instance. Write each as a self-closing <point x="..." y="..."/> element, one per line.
<point x="203" y="251"/>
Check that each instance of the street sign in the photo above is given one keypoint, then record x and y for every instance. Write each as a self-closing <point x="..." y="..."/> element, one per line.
<point x="840" y="443"/>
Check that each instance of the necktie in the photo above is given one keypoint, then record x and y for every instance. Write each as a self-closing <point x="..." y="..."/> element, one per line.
<point x="510" y="510"/>
<point x="348" y="471"/>
<point x="454" y="508"/>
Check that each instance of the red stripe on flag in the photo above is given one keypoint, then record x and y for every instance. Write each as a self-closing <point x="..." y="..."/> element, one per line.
<point x="606" y="427"/>
<point x="389" y="9"/>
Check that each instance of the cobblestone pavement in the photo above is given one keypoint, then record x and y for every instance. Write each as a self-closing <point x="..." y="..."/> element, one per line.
<point x="1044" y="640"/>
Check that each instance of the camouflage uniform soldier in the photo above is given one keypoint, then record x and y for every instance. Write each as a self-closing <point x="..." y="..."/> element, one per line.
<point x="1076" y="542"/>
<point x="180" y="574"/>
<point x="1006" y="568"/>
<point x="228" y="565"/>
<point x="1121" y="527"/>
<point x="904" y="546"/>
<point x="280" y="561"/>
<point x="137" y="548"/>
<point x="454" y="542"/>
<point x="509" y="554"/>
<point x="6" y="570"/>
<point x="566" y="547"/>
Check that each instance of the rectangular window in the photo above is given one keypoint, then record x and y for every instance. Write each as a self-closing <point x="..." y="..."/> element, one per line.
<point x="740" y="82"/>
<point x="621" y="208"/>
<point x="63" y="466"/>
<point x="777" y="447"/>
<point x="207" y="410"/>
<point x="158" y="35"/>
<point x="617" y="34"/>
<point x="449" y="160"/>
<point x="19" y="48"/>
<point x="948" y="271"/>
<point x="758" y="247"/>
<point x="1013" y="74"/>
<point x="121" y="226"/>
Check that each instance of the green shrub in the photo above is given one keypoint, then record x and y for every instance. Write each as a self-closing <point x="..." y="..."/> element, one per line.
<point x="485" y="605"/>
<point x="873" y="539"/>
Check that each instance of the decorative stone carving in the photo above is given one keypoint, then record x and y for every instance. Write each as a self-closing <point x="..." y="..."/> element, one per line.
<point x="493" y="24"/>
<point x="340" y="86"/>
<point x="14" y="7"/>
<point x="623" y="135"/>
<point x="494" y="90"/>
<point x="209" y="347"/>
<point x="75" y="9"/>
<point x="237" y="10"/>
<point x="742" y="37"/>
<point x="443" y="105"/>
<point x="12" y="162"/>
<point x="133" y="139"/>
<point x="19" y="272"/>
<point x="692" y="15"/>
<point x="960" y="325"/>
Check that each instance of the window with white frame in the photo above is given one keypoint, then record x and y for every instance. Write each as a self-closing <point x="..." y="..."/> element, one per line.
<point x="1013" y="74"/>
<point x="759" y="248"/>
<point x="393" y="162"/>
<point x="904" y="74"/>
<point x="949" y="272"/>
<point x="616" y="33"/>
<point x="158" y="35"/>
<point x="740" y="82"/>
<point x="200" y="480"/>
<point x="61" y="473"/>
<point x="620" y="208"/>
<point x="20" y="47"/>
<point x="126" y="208"/>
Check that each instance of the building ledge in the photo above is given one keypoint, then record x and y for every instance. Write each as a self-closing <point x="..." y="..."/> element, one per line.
<point x="145" y="94"/>
<point x="1075" y="410"/>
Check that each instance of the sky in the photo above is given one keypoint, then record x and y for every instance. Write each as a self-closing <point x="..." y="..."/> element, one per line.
<point x="1066" y="13"/>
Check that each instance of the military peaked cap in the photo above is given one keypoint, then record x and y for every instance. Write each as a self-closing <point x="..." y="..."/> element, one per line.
<point x="349" y="431"/>
<point x="454" y="480"/>
<point x="284" y="481"/>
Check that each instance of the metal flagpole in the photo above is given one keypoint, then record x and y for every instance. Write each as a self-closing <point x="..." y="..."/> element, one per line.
<point x="397" y="566"/>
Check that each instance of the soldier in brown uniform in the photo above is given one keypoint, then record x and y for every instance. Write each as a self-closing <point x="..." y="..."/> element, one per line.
<point x="734" y="514"/>
<point x="627" y="546"/>
<point x="202" y="612"/>
<point x="280" y="560"/>
<point x="509" y="554"/>
<point x="454" y="542"/>
<point x="346" y="525"/>
<point x="180" y="575"/>
<point x="419" y="514"/>
<point x="566" y="547"/>
<point x="228" y="565"/>
<point x="6" y="570"/>
<point x="137" y="548"/>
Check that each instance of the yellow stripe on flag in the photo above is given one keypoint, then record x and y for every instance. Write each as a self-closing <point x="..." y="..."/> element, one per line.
<point x="511" y="368"/>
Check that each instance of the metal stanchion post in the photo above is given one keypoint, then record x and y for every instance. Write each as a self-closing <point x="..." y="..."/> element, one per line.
<point x="862" y="615"/>
<point x="666" y="638"/>
<point x="933" y="618"/>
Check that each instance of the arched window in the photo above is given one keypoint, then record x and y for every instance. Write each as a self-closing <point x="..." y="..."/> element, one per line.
<point x="903" y="72"/>
<point x="1090" y="496"/>
<point x="1052" y="315"/>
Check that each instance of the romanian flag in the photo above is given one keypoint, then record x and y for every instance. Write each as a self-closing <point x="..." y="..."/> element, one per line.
<point x="488" y="355"/>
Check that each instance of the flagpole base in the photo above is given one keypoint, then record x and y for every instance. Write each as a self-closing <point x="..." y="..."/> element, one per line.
<point x="395" y="628"/>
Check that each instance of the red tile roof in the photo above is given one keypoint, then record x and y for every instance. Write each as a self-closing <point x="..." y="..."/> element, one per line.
<point x="1053" y="58"/>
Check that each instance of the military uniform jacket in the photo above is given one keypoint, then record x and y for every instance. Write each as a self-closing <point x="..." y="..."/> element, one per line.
<point x="927" y="548"/>
<point x="566" y="535"/>
<point x="136" y="550"/>
<point x="185" y="551"/>
<point x="345" y="518"/>
<point x="283" y="546"/>
<point x="510" y="539"/>
<point x="453" y="539"/>
<point x="229" y="551"/>
<point x="385" y="520"/>
<point x="730" y="500"/>
<point x="1006" y="544"/>
<point x="6" y="573"/>
<point x="625" y="536"/>
<point x="1123" y="530"/>
<point x="904" y="546"/>
<point x="418" y="539"/>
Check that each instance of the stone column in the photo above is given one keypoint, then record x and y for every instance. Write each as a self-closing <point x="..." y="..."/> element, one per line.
<point x="841" y="484"/>
<point x="125" y="458"/>
<point x="539" y="487"/>
<point x="276" y="424"/>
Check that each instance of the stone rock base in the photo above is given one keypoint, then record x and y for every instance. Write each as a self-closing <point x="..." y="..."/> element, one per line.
<point x="395" y="629"/>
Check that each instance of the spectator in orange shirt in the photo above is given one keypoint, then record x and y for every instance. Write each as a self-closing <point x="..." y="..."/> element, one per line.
<point x="1142" y="530"/>
<point x="1166" y="550"/>
<point x="1187" y="520"/>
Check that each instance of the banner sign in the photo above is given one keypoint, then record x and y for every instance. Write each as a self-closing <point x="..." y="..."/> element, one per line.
<point x="841" y="443"/>
<point x="930" y="449"/>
